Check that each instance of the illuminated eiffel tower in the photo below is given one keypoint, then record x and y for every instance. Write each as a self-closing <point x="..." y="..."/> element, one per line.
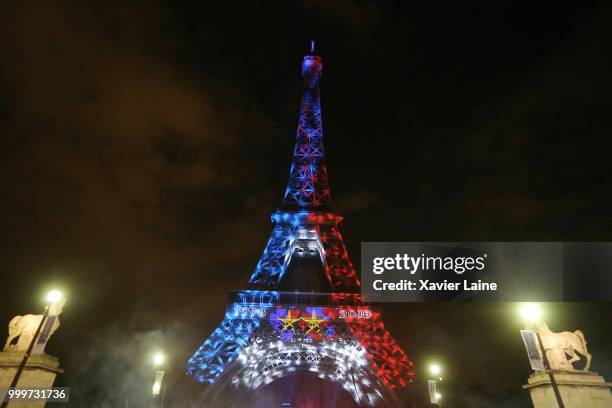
<point x="302" y="312"/>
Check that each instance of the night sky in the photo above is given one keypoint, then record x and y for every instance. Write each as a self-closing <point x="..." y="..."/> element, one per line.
<point x="143" y="146"/>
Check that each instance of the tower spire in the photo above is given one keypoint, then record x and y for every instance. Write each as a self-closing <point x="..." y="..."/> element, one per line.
<point x="308" y="187"/>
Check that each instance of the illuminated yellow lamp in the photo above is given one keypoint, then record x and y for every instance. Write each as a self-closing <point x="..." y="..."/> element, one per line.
<point x="531" y="312"/>
<point x="54" y="296"/>
<point x="159" y="358"/>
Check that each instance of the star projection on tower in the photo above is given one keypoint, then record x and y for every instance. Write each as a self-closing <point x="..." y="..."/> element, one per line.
<point x="344" y="344"/>
<point x="268" y="334"/>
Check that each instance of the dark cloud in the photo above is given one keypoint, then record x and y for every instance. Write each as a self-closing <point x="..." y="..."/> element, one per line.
<point x="103" y="132"/>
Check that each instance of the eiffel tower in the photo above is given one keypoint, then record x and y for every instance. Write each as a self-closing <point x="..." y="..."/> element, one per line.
<point x="302" y="311"/>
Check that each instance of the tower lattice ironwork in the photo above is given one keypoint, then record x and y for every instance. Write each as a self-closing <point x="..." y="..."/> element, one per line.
<point x="302" y="310"/>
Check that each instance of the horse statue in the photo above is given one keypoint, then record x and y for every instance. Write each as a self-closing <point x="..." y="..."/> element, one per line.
<point x="24" y="328"/>
<point x="559" y="346"/>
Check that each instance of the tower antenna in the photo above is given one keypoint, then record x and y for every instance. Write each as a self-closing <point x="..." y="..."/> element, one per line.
<point x="312" y="46"/>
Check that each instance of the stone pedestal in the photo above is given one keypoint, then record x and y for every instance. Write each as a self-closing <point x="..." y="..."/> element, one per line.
<point x="40" y="372"/>
<point x="578" y="390"/>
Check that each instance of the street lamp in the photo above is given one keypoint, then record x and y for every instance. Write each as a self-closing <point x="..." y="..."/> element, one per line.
<point x="434" y="396"/>
<point x="53" y="297"/>
<point x="435" y="369"/>
<point x="158" y="359"/>
<point x="531" y="313"/>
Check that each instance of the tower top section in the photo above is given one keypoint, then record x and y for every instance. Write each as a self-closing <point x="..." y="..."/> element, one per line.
<point x="312" y="66"/>
<point x="308" y="187"/>
<point x="306" y="251"/>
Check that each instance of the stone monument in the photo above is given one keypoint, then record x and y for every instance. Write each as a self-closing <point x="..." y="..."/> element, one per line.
<point x="579" y="388"/>
<point x="41" y="369"/>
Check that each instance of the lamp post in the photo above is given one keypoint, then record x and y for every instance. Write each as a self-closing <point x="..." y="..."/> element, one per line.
<point x="532" y="312"/>
<point x="158" y="360"/>
<point x="53" y="297"/>
<point x="434" y="396"/>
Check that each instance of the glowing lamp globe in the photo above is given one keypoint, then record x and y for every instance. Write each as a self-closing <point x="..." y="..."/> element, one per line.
<point x="54" y="296"/>
<point x="531" y="312"/>
<point x="158" y="359"/>
<point x="435" y="369"/>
